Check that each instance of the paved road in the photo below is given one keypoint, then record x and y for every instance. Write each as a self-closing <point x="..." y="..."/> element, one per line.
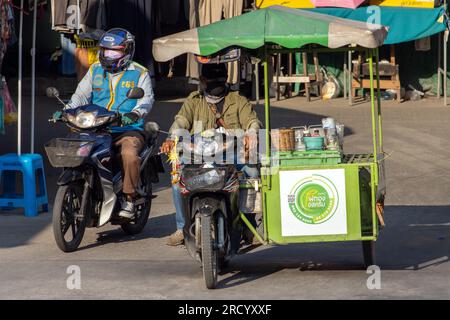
<point x="413" y="251"/>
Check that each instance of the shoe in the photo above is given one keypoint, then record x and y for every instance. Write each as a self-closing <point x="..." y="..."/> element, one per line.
<point x="127" y="210"/>
<point x="176" y="239"/>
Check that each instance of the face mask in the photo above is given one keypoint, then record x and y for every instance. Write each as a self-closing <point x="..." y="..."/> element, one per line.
<point x="113" y="54"/>
<point x="213" y="99"/>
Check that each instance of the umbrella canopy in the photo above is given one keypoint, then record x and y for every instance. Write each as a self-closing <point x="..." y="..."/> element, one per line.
<point x="289" y="28"/>
<point x="306" y="4"/>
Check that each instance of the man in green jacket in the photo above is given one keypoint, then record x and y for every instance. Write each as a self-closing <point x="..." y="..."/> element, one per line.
<point x="212" y="107"/>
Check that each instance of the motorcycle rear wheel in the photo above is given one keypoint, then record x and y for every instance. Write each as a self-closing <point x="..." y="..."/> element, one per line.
<point x="138" y="223"/>
<point x="67" y="215"/>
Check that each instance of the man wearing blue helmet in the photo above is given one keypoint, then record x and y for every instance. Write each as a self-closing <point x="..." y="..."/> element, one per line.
<point x="106" y="84"/>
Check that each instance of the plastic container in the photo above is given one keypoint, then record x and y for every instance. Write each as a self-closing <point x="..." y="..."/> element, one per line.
<point x="314" y="143"/>
<point x="316" y="130"/>
<point x="331" y="135"/>
<point x="307" y="158"/>
<point x="250" y="200"/>
<point x="283" y="139"/>
<point x="328" y="123"/>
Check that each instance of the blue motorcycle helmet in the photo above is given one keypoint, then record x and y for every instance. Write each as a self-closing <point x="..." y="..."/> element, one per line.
<point x="116" y="50"/>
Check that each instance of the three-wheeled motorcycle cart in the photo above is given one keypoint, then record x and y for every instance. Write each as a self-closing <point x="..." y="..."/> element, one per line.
<point x="306" y="196"/>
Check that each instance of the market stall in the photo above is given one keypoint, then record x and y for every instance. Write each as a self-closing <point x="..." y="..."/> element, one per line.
<point x="311" y="190"/>
<point x="403" y="27"/>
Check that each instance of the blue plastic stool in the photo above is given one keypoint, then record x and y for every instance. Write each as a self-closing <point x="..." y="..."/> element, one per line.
<point x="32" y="168"/>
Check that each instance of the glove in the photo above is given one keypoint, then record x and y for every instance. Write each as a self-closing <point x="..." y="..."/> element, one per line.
<point x="129" y="118"/>
<point x="57" y="115"/>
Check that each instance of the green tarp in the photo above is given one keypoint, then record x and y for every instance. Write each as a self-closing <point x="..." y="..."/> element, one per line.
<point x="289" y="28"/>
<point x="405" y="24"/>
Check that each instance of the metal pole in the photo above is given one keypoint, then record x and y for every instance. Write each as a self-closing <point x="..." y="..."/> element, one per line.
<point x="439" y="70"/>
<point x="380" y="122"/>
<point x="350" y="78"/>
<point x="33" y="75"/>
<point x="257" y="83"/>
<point x="345" y="76"/>
<point x="278" y="74"/>
<point x="290" y="75"/>
<point x="267" y="105"/>
<point x="78" y="16"/>
<point x="445" y="66"/>
<point x="19" y="84"/>
<point x="372" y="100"/>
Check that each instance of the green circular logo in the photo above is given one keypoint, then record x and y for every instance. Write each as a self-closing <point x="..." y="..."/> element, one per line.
<point x="313" y="200"/>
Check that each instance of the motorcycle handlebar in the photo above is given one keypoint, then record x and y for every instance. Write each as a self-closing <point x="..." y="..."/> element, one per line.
<point x="55" y="120"/>
<point x="61" y="119"/>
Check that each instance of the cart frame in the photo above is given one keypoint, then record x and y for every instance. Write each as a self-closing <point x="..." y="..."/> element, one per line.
<point x="361" y="195"/>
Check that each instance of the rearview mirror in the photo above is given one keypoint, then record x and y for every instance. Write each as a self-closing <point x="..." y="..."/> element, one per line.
<point x="52" y="92"/>
<point x="152" y="128"/>
<point x="135" y="93"/>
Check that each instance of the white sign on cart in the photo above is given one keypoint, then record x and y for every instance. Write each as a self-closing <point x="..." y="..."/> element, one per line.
<point x="313" y="202"/>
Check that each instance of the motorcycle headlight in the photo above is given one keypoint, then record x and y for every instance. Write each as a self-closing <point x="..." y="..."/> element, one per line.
<point x="211" y="179"/>
<point x="101" y="121"/>
<point x="85" y="120"/>
<point x="207" y="148"/>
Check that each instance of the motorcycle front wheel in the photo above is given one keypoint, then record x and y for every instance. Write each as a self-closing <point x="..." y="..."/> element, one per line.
<point x="68" y="222"/>
<point x="210" y="252"/>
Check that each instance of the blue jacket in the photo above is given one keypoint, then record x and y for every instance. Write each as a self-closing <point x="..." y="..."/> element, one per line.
<point x="109" y="90"/>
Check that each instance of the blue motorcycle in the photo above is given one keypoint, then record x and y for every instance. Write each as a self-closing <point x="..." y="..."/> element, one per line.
<point x="90" y="186"/>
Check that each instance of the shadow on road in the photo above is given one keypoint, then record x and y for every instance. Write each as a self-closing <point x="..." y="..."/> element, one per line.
<point x="157" y="227"/>
<point x="416" y="238"/>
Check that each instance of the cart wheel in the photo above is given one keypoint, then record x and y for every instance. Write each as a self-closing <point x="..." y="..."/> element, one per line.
<point x="369" y="253"/>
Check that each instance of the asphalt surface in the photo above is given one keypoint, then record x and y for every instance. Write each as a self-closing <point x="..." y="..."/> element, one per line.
<point x="413" y="250"/>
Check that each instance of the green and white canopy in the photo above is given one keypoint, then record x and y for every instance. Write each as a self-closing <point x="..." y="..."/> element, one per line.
<point x="289" y="28"/>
